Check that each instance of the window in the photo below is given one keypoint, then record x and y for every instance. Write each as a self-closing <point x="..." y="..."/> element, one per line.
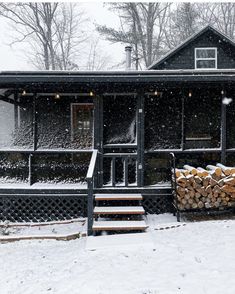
<point x="202" y="119"/>
<point x="205" y="58"/>
<point x="82" y="123"/>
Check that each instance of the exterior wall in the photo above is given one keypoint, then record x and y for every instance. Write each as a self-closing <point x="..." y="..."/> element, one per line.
<point x="16" y="132"/>
<point x="6" y="122"/>
<point x="184" y="58"/>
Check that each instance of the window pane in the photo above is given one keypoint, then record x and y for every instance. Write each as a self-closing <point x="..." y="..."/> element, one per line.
<point x="61" y="168"/>
<point x="119" y="119"/>
<point x="14" y="168"/>
<point x="201" y="159"/>
<point x="82" y="124"/>
<point x="205" y="53"/>
<point x="157" y="169"/>
<point x="205" y="63"/>
<point x="202" y="119"/>
<point x="163" y="121"/>
<point x="62" y="126"/>
<point x="230" y="113"/>
<point x="16" y="131"/>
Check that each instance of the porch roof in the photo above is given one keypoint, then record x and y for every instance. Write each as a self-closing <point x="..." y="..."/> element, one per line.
<point x="18" y="78"/>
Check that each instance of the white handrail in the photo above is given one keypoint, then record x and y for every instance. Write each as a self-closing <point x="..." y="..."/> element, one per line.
<point x="91" y="168"/>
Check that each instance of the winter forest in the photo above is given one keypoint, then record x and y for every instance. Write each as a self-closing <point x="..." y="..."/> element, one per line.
<point x="62" y="36"/>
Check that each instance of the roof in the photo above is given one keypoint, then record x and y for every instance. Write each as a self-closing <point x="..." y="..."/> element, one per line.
<point x="189" y="40"/>
<point x="19" y="78"/>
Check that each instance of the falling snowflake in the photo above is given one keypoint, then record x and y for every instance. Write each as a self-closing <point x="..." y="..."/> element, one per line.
<point x="227" y="101"/>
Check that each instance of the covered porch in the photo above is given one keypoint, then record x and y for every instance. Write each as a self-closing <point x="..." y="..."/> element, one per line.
<point x="52" y="122"/>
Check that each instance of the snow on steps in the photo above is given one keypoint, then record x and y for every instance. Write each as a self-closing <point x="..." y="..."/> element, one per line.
<point x="119" y="210"/>
<point x="118" y="197"/>
<point x="119" y="225"/>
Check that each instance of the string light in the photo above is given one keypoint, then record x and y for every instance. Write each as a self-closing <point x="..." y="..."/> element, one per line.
<point x="57" y="96"/>
<point x="23" y="93"/>
<point x="156" y="93"/>
<point x="222" y="92"/>
<point x="91" y="93"/>
<point x="190" y="94"/>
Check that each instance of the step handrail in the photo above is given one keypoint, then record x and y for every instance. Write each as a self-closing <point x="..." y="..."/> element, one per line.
<point x="90" y="189"/>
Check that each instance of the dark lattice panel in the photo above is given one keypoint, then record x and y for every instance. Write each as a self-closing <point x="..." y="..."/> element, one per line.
<point x="156" y="204"/>
<point x="41" y="208"/>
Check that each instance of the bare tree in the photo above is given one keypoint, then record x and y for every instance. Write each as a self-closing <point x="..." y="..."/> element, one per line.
<point x="69" y="36"/>
<point x="142" y="26"/>
<point x="183" y="21"/>
<point x="220" y="15"/>
<point x="51" y="29"/>
<point x="96" y="59"/>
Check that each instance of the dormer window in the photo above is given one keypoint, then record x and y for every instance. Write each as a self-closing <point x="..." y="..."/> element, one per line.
<point x="206" y="58"/>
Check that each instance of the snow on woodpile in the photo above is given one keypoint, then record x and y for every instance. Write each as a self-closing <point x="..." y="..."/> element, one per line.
<point x="191" y="258"/>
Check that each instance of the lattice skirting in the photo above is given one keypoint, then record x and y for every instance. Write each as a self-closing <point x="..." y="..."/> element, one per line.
<point x="41" y="208"/>
<point x="27" y="208"/>
<point x="156" y="204"/>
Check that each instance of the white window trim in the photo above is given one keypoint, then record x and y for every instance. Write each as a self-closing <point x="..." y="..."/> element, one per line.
<point x="211" y="58"/>
<point x="71" y="119"/>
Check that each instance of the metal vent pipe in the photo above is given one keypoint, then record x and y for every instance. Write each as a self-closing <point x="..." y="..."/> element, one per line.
<point x="128" y="50"/>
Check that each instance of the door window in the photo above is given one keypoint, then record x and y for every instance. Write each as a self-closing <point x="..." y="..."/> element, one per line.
<point x="82" y="123"/>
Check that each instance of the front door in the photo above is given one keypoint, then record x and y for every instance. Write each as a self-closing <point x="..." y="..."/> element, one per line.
<point x="120" y="136"/>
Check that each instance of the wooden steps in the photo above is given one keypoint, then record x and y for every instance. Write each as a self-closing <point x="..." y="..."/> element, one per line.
<point x="118" y="197"/>
<point x="119" y="225"/>
<point x="125" y="204"/>
<point x="119" y="210"/>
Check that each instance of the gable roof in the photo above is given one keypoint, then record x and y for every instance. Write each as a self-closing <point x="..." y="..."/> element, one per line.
<point x="189" y="40"/>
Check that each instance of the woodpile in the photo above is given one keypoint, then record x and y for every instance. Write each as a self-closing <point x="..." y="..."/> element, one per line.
<point x="198" y="188"/>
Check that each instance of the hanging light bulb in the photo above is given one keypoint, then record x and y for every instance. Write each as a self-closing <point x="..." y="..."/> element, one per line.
<point x="190" y="94"/>
<point x="57" y="96"/>
<point x="222" y="92"/>
<point x="24" y="93"/>
<point x="156" y="92"/>
<point x="91" y="93"/>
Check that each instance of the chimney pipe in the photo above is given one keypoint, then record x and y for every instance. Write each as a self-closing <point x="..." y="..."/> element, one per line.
<point x="128" y="50"/>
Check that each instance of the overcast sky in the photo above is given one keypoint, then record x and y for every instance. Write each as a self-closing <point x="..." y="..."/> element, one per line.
<point x="14" y="58"/>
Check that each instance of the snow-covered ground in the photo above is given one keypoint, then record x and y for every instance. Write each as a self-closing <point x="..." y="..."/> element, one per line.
<point x="191" y="258"/>
<point x="43" y="229"/>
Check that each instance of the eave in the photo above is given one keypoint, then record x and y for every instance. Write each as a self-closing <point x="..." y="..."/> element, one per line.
<point x="109" y="77"/>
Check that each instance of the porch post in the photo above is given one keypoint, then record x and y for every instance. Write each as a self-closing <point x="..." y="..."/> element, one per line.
<point x="35" y="129"/>
<point x="182" y="122"/>
<point x="16" y="117"/>
<point x="101" y="150"/>
<point x="98" y="138"/>
<point x="140" y="139"/>
<point x="30" y="169"/>
<point x="223" y="128"/>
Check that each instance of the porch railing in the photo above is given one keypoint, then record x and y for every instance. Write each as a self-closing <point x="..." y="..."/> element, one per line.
<point x="90" y="188"/>
<point x="125" y="158"/>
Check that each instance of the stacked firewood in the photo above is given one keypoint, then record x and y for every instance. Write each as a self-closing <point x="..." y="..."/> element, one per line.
<point x="198" y="188"/>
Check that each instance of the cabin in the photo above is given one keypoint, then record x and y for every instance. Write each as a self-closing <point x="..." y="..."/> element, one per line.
<point x="70" y="140"/>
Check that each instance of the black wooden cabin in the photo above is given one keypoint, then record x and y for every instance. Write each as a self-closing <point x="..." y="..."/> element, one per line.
<point x="114" y="129"/>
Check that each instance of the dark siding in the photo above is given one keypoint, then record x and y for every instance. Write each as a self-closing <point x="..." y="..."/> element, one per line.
<point x="184" y="59"/>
